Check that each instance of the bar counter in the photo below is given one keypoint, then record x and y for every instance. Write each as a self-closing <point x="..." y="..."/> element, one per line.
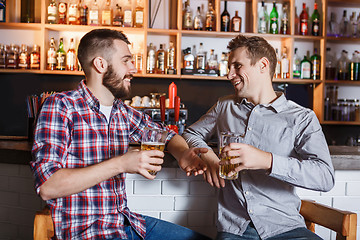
<point x="18" y="151"/>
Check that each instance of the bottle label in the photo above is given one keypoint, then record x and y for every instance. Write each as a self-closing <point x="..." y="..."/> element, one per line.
<point x="187" y="20"/>
<point x="306" y="70"/>
<point x="52" y="9"/>
<point x="127" y="16"/>
<point x="34" y="60"/>
<point x="236" y="25"/>
<point x="61" y="61"/>
<point x="106" y="17"/>
<point x="23" y="60"/>
<point x="51" y="56"/>
<point x="62" y="8"/>
<point x="139" y="17"/>
<point x="303" y="26"/>
<point x="262" y="26"/>
<point x="72" y="10"/>
<point x="2" y="14"/>
<point x="197" y="22"/>
<point x="225" y="20"/>
<point x="93" y="16"/>
<point x="70" y="59"/>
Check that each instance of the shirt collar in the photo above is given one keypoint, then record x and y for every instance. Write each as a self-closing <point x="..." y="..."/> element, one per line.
<point x="278" y="104"/>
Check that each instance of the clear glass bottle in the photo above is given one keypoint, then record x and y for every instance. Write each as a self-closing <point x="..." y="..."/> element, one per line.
<point x="344" y="25"/>
<point x="118" y="17"/>
<point x="160" y="60"/>
<point x="225" y="19"/>
<point x="223" y="65"/>
<point x="198" y="23"/>
<point x="151" y="59"/>
<point x="73" y="12"/>
<point x="210" y="22"/>
<point x="12" y="57"/>
<point x="305" y="67"/>
<point x="333" y="26"/>
<point x="24" y="58"/>
<point x="51" y="56"/>
<point x="263" y="24"/>
<point x="35" y="57"/>
<point x="277" y="73"/>
<point x="285" y="64"/>
<point x="187" y="17"/>
<point x="284" y="27"/>
<point x="94" y="14"/>
<point x="354" y="67"/>
<point x="236" y="23"/>
<point x="212" y="63"/>
<point x="27" y="11"/>
<point x="62" y="12"/>
<point x="188" y="59"/>
<point x="315" y="21"/>
<point x="171" y="59"/>
<point x="274" y="20"/>
<point x="330" y="65"/>
<point x="343" y="66"/>
<point x="353" y="25"/>
<point x="304" y="17"/>
<point x="296" y="65"/>
<point x="83" y="11"/>
<point x="139" y="14"/>
<point x="61" y="56"/>
<point x="315" y="65"/>
<point x="2" y="11"/>
<point x="3" y="50"/>
<point x="128" y="15"/>
<point x="201" y="58"/>
<point x="71" y="61"/>
<point x="52" y="12"/>
<point x="106" y="14"/>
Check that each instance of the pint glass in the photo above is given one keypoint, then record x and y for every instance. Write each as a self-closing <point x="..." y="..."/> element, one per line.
<point x="225" y="139"/>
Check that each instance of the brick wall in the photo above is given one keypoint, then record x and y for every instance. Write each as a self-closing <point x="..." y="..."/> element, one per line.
<point x="172" y="196"/>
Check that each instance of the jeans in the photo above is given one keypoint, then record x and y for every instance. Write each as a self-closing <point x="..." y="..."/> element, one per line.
<point x="157" y="229"/>
<point x="251" y="234"/>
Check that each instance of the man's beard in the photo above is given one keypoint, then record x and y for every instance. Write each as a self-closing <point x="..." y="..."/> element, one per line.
<point x="116" y="85"/>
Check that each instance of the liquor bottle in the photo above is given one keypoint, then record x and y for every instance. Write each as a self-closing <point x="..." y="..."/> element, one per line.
<point x="27" y="11"/>
<point x="24" y="58"/>
<point x="315" y="65"/>
<point x="330" y="65"/>
<point x="353" y="25"/>
<point x="358" y="27"/>
<point x="274" y="20"/>
<point x="212" y="63"/>
<point x="278" y="65"/>
<point x="187" y="17"/>
<point x="297" y="22"/>
<point x="333" y="27"/>
<point x="138" y="60"/>
<point x="188" y="59"/>
<point x="236" y="23"/>
<point x="305" y="68"/>
<point x="139" y="14"/>
<point x="150" y="63"/>
<point x="52" y="12"/>
<point x="12" y="57"/>
<point x="128" y="18"/>
<point x="343" y="66"/>
<point x="170" y="59"/>
<point x="51" y="56"/>
<point x="225" y="19"/>
<point x="315" y="18"/>
<point x="304" y="17"/>
<point x="118" y="17"/>
<point x="354" y="67"/>
<point x="201" y="58"/>
<point x="2" y="10"/>
<point x="35" y="57"/>
<point x="285" y="64"/>
<point x="71" y="61"/>
<point x="94" y="14"/>
<point x="296" y="65"/>
<point x="198" y="23"/>
<point x="263" y="23"/>
<point x="223" y="65"/>
<point x="62" y="12"/>
<point x="3" y="55"/>
<point x="83" y="11"/>
<point x="210" y="20"/>
<point x="160" y="60"/>
<point x="61" y="56"/>
<point x="73" y="13"/>
<point x="106" y="14"/>
<point x="344" y="26"/>
<point x="284" y="27"/>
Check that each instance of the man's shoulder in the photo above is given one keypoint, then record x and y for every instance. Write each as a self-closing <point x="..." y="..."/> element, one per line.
<point x="228" y="99"/>
<point x="63" y="98"/>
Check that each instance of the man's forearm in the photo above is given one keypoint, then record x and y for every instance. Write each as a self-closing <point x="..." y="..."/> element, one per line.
<point x="177" y="146"/>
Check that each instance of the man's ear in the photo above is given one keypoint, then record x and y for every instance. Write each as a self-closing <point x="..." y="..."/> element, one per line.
<point x="264" y="64"/>
<point x="100" y="64"/>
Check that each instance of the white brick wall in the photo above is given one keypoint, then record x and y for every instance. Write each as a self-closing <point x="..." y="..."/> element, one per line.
<point x="172" y="196"/>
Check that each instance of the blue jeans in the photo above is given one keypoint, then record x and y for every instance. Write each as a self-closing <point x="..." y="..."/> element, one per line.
<point x="251" y="234"/>
<point x="157" y="229"/>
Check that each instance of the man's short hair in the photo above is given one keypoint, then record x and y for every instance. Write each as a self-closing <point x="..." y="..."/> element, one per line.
<point x="256" y="47"/>
<point x="98" y="43"/>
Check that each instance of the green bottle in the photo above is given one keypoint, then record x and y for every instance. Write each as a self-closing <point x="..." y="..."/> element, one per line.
<point x="305" y="67"/>
<point x="61" y="56"/>
<point x="315" y="65"/>
<point x="274" y="20"/>
<point x="315" y="18"/>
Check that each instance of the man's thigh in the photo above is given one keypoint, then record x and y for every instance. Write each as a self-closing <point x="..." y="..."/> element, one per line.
<point x="297" y="234"/>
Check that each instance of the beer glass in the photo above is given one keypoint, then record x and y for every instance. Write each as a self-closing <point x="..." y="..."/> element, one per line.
<point x="225" y="139"/>
<point x="153" y="139"/>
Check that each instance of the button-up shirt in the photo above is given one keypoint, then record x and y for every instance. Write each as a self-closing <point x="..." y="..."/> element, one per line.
<point x="71" y="132"/>
<point x="301" y="158"/>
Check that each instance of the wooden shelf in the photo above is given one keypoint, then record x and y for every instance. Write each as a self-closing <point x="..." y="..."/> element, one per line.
<point x="340" y="122"/>
<point x="21" y="26"/>
<point x="342" y="82"/>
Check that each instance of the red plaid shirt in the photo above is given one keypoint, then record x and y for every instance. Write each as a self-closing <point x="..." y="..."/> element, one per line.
<point x="71" y="132"/>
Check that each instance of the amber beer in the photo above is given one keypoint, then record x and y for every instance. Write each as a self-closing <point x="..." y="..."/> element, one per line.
<point x="225" y="139"/>
<point x="224" y="170"/>
<point x="153" y="146"/>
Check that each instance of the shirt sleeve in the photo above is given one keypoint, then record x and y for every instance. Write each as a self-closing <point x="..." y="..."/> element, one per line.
<point x="199" y="133"/>
<point x="50" y="140"/>
<point x="312" y="168"/>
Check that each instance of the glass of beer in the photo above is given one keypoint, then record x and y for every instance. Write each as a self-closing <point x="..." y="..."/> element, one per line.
<point x="225" y="139"/>
<point x="153" y="139"/>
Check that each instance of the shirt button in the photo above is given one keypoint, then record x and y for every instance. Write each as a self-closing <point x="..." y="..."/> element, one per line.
<point x="250" y="211"/>
<point x="255" y="110"/>
<point x="247" y="193"/>
<point x="249" y="128"/>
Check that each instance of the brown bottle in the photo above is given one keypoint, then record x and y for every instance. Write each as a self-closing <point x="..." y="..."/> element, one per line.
<point x="160" y="60"/>
<point x="35" y="58"/>
<point x="236" y="23"/>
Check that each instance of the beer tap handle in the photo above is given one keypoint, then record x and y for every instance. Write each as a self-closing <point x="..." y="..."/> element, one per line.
<point x="177" y="109"/>
<point x="162" y="109"/>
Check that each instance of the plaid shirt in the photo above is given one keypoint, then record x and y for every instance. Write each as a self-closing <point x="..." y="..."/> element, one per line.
<point x="71" y="132"/>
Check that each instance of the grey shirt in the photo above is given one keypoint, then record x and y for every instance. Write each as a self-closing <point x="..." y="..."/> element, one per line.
<point x="301" y="158"/>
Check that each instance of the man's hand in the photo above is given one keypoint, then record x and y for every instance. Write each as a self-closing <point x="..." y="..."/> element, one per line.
<point x="247" y="156"/>
<point x="212" y="173"/>
<point x="191" y="163"/>
<point x="141" y="162"/>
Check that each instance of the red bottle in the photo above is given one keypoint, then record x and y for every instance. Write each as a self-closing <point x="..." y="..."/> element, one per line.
<point x="304" y="16"/>
<point x="172" y="94"/>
